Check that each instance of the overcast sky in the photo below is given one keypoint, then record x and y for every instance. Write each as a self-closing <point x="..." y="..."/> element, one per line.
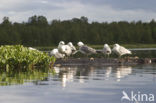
<point x="95" y="10"/>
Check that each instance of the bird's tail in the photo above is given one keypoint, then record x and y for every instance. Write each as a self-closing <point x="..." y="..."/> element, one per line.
<point x="98" y="51"/>
<point x="130" y="52"/>
<point x="75" y="52"/>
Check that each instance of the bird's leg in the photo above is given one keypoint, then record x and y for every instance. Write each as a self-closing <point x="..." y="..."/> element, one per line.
<point x="119" y="56"/>
<point x="109" y="58"/>
<point x="120" y="59"/>
<point x="87" y="55"/>
<point x="65" y="58"/>
<point x="71" y="56"/>
<point x="105" y="56"/>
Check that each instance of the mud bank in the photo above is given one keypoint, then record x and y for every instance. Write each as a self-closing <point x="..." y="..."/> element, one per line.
<point x="103" y="61"/>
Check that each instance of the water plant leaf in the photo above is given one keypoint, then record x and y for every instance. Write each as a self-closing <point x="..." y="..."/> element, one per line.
<point x="18" y="56"/>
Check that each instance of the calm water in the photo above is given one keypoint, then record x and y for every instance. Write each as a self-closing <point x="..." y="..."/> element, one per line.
<point x="77" y="84"/>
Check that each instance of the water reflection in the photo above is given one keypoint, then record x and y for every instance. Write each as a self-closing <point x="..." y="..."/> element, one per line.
<point x="14" y="77"/>
<point x="67" y="75"/>
<point x="82" y="84"/>
<point x="84" y="74"/>
<point x="122" y="72"/>
<point x="108" y="72"/>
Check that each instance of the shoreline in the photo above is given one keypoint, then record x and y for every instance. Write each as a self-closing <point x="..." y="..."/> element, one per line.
<point x="103" y="61"/>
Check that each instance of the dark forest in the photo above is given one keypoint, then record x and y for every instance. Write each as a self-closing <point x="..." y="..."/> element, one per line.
<point x="37" y="31"/>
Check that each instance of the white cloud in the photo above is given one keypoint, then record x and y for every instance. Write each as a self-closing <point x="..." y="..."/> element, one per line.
<point x="21" y="10"/>
<point x="100" y="13"/>
<point x="11" y="12"/>
<point x="44" y="2"/>
<point x="107" y="13"/>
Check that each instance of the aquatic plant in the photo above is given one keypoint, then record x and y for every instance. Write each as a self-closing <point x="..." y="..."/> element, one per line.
<point x="18" y="56"/>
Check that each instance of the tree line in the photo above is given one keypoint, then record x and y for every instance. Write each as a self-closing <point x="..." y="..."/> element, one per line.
<point x="37" y="31"/>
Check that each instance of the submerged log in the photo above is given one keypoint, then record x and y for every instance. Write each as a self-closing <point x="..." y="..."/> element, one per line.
<point x="103" y="61"/>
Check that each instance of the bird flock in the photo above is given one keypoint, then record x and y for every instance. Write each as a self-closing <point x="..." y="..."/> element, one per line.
<point x="66" y="50"/>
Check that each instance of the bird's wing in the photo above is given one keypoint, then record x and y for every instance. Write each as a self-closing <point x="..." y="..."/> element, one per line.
<point x="99" y="51"/>
<point x="87" y="49"/>
<point x="73" y="48"/>
<point x="92" y="50"/>
<point x="59" y="55"/>
<point x="124" y="50"/>
<point x="75" y="52"/>
<point x="114" y="50"/>
<point x="68" y="50"/>
<point x="107" y="49"/>
<point x="84" y="49"/>
<point x="104" y="49"/>
<point x="110" y="50"/>
<point x="61" y="48"/>
<point x="51" y="53"/>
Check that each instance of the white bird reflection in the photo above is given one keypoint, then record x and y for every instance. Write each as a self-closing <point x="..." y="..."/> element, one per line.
<point x="82" y="74"/>
<point x="64" y="80"/>
<point x="57" y="70"/>
<point x="66" y="74"/>
<point x="122" y="72"/>
<point x="69" y="74"/>
<point x="108" y="72"/>
<point x="81" y="79"/>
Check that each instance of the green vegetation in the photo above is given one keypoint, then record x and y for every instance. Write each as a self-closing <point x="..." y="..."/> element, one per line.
<point x="17" y="76"/>
<point x="38" y="32"/>
<point x="17" y="56"/>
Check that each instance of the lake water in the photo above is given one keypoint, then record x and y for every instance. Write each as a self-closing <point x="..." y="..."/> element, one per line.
<point x="84" y="84"/>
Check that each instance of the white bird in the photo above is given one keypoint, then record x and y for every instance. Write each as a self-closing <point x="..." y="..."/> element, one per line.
<point x="85" y="49"/>
<point x="64" y="49"/>
<point x="61" y="47"/>
<point x="56" y="54"/>
<point x="120" y="50"/>
<point x="30" y="48"/>
<point x="107" y="50"/>
<point x="74" y="51"/>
